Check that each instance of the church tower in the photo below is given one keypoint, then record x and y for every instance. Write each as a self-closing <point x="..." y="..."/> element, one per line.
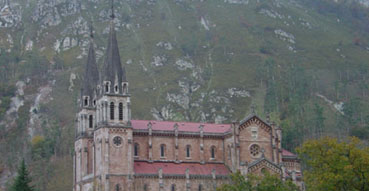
<point x="113" y="134"/>
<point x="86" y="119"/>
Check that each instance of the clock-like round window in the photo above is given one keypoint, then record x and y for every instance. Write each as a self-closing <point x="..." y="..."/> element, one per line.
<point x="254" y="150"/>
<point x="117" y="141"/>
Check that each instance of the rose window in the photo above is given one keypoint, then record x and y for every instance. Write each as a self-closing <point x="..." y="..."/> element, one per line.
<point x="117" y="141"/>
<point x="255" y="150"/>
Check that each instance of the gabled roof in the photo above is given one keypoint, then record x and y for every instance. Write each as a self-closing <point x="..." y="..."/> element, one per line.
<point x="271" y="165"/>
<point x="254" y="118"/>
<point x="251" y="116"/>
<point x="261" y="160"/>
<point x="171" y="168"/>
<point x="288" y="153"/>
<point x="182" y="126"/>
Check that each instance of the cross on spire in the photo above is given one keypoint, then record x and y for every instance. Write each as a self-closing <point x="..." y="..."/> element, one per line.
<point x="253" y="107"/>
<point x="112" y="16"/>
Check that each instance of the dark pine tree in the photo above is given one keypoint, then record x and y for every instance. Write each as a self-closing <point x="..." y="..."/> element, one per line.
<point x="21" y="182"/>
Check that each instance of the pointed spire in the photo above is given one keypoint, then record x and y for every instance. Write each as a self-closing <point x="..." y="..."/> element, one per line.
<point x="113" y="71"/>
<point x="112" y="16"/>
<point x="91" y="32"/>
<point x="91" y="76"/>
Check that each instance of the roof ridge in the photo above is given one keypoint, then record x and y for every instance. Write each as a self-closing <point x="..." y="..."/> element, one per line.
<point x="181" y="122"/>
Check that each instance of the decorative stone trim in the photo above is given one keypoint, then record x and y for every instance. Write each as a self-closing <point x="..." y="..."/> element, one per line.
<point x="145" y="132"/>
<point x="255" y="121"/>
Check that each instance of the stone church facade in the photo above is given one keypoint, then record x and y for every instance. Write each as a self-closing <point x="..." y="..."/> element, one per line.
<point x="116" y="153"/>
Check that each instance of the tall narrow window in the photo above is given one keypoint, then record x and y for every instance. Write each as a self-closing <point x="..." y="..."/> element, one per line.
<point x="120" y="111"/>
<point x="173" y="187"/>
<point x="117" y="187"/>
<point x="188" y="151"/>
<point x="162" y="150"/>
<point x="90" y="121"/>
<point x="116" y="88"/>
<point x="107" y="87"/>
<point x="213" y="152"/>
<point x="86" y="101"/>
<point x="112" y="110"/>
<point x="145" y="187"/>
<point x="136" y="149"/>
<point x="200" y="187"/>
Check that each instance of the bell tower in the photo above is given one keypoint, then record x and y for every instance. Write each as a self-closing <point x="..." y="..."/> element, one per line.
<point x="113" y="134"/>
<point x="86" y="120"/>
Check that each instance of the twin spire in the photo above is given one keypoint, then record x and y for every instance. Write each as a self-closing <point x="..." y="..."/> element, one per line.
<point x="113" y="72"/>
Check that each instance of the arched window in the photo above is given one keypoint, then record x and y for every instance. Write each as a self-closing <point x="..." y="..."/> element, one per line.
<point x="145" y="187"/>
<point x="117" y="187"/>
<point x="120" y="111"/>
<point x="188" y="151"/>
<point x="86" y="101"/>
<point x="212" y="152"/>
<point x="162" y="150"/>
<point x="112" y="110"/>
<point x="107" y="87"/>
<point x="90" y="121"/>
<point x="136" y="150"/>
<point x="173" y="187"/>
<point x="116" y="88"/>
<point x="200" y="187"/>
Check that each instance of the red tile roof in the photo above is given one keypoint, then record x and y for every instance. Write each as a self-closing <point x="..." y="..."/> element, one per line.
<point x="179" y="169"/>
<point x="288" y="153"/>
<point x="182" y="126"/>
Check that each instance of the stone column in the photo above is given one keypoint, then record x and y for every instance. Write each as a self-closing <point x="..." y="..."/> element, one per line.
<point x="128" y="110"/>
<point x="176" y="142"/>
<point x="85" y="127"/>
<point x="279" y="144"/>
<point x="236" y="126"/>
<point x="80" y="164"/>
<point x="97" y="114"/>
<point x="130" y="159"/>
<point x="161" y="183"/>
<point x="274" y="144"/>
<point x="214" y="176"/>
<point x="74" y="171"/>
<point x="188" y="183"/>
<point x="202" y="158"/>
<point x="149" y="126"/>
<point x="93" y="158"/>
<point x="87" y="160"/>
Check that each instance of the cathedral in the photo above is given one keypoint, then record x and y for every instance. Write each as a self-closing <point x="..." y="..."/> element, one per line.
<point x="113" y="152"/>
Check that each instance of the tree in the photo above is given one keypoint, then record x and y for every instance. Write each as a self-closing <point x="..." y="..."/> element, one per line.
<point x="267" y="182"/>
<point x="336" y="165"/>
<point x="21" y="182"/>
<point x="319" y="120"/>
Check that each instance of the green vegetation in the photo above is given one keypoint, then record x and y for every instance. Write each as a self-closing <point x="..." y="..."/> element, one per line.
<point x="336" y="165"/>
<point x="267" y="182"/>
<point x="22" y="181"/>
